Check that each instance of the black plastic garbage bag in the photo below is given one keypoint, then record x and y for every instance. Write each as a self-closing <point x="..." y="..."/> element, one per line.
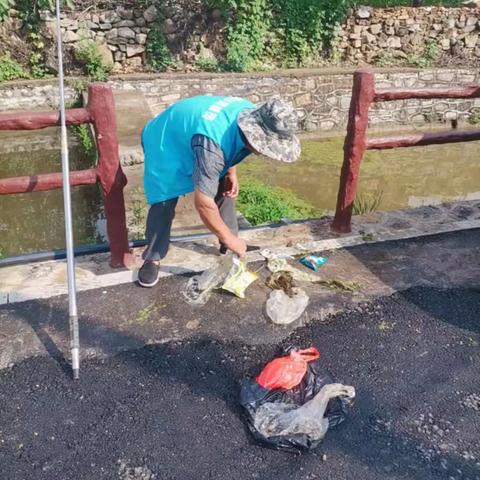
<point x="253" y="397"/>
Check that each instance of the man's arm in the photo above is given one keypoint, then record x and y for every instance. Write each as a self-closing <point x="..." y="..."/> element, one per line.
<point x="210" y="215"/>
<point x="209" y="164"/>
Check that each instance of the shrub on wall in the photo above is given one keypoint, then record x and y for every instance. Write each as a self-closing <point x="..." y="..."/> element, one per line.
<point x="308" y="27"/>
<point x="159" y="56"/>
<point x="86" y="51"/>
<point x="10" y="69"/>
<point x="5" y="6"/>
<point x="249" y="22"/>
<point x="262" y="33"/>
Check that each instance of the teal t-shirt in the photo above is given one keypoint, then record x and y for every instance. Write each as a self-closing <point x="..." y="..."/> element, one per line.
<point x="169" y="158"/>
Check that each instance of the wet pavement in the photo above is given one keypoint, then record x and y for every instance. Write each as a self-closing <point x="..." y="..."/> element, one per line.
<point x="165" y="407"/>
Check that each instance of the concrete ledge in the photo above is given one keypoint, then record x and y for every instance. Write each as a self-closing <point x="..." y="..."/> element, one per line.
<point x="48" y="279"/>
<point x="294" y="72"/>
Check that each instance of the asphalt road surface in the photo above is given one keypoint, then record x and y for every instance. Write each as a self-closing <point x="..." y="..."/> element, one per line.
<point x="170" y="411"/>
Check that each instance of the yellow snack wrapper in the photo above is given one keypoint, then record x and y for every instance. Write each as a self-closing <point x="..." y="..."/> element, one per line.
<point x="239" y="279"/>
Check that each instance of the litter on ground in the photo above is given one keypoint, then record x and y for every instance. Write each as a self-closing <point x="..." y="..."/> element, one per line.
<point x="294" y="401"/>
<point x="239" y="279"/>
<point x="314" y="262"/>
<point x="230" y="274"/>
<point x="283" y="309"/>
<point x="281" y="281"/>
<point x="276" y="264"/>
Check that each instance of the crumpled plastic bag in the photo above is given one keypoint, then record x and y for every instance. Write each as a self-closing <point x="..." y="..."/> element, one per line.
<point x="239" y="279"/>
<point x="288" y="371"/>
<point x="294" y="420"/>
<point x="198" y="289"/>
<point x="281" y="419"/>
<point x="277" y="264"/>
<point x="283" y="309"/>
<point x="314" y="262"/>
<point x="230" y="273"/>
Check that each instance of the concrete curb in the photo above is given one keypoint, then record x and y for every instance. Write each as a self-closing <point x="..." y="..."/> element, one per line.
<point x="87" y="280"/>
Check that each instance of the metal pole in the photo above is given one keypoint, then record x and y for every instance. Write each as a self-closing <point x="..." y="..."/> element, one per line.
<point x="72" y="294"/>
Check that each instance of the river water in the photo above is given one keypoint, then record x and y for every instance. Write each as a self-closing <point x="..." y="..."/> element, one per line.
<point x="400" y="178"/>
<point x="403" y="178"/>
<point x="34" y="221"/>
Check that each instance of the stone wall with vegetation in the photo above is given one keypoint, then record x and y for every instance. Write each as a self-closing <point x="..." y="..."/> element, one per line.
<point x="127" y="38"/>
<point x="321" y="98"/>
<point x="195" y="35"/>
<point x="121" y="35"/>
<point x="417" y="36"/>
<point x="102" y="37"/>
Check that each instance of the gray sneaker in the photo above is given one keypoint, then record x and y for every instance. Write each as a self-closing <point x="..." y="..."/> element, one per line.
<point x="148" y="275"/>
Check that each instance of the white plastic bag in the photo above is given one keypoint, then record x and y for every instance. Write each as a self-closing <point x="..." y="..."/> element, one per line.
<point x="199" y="288"/>
<point x="282" y="309"/>
<point x="277" y="419"/>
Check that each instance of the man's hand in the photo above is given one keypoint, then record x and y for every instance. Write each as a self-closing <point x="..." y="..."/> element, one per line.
<point x="232" y="186"/>
<point x="237" y="246"/>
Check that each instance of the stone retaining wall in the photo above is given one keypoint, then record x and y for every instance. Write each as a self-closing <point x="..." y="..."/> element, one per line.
<point x="188" y="29"/>
<point x="321" y="98"/>
<point x="417" y="34"/>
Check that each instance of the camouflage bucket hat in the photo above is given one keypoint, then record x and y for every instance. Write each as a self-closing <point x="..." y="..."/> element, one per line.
<point x="270" y="130"/>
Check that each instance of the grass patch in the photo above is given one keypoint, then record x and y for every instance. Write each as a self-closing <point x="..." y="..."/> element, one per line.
<point x="365" y="204"/>
<point x="423" y="59"/>
<point x="261" y="203"/>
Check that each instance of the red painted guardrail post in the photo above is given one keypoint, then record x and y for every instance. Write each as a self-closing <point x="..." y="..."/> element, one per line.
<point x="363" y="94"/>
<point x="101" y="106"/>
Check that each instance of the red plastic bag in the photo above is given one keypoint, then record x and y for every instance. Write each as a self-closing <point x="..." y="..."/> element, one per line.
<point x="287" y="372"/>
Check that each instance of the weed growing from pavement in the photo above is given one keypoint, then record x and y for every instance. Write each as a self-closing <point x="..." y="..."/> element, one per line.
<point x="369" y="237"/>
<point x="144" y="315"/>
<point x="365" y="204"/>
<point x="84" y="135"/>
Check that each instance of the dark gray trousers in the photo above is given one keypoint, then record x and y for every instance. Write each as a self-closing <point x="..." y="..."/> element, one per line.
<point x="160" y="218"/>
